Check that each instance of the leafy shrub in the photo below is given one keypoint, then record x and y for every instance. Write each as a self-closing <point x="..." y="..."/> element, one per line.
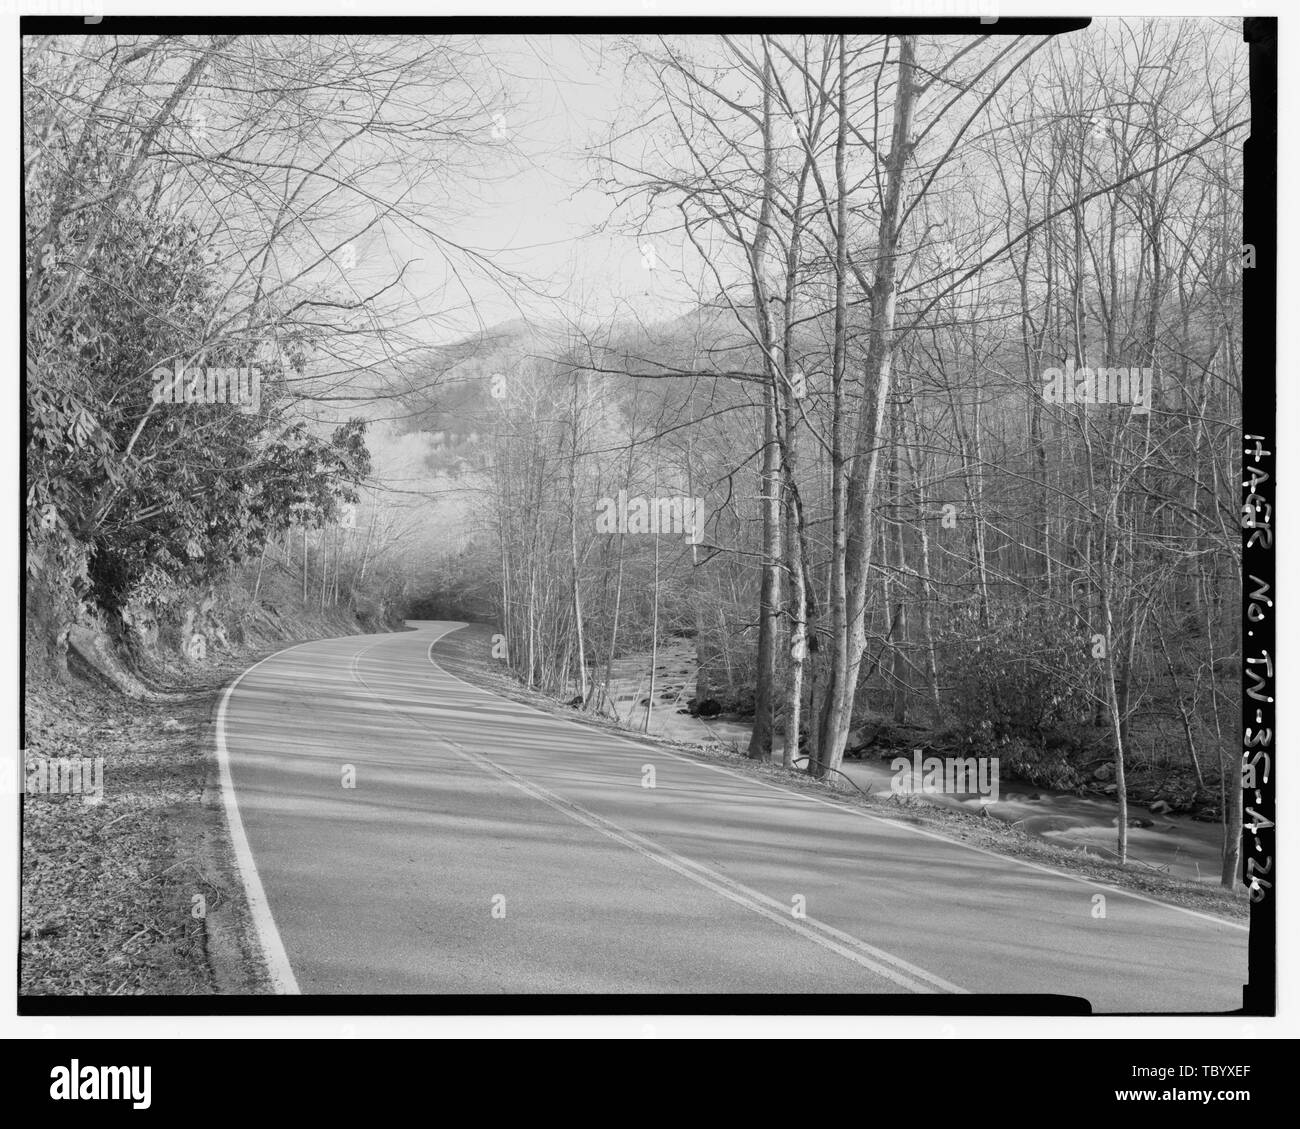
<point x="1012" y="683"/>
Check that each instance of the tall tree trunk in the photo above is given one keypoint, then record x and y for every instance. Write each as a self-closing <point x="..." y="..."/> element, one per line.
<point x="573" y="553"/>
<point x="760" y="739"/>
<point x="610" y="697"/>
<point x="261" y="562"/>
<point x="1183" y="713"/>
<point x="654" y="638"/>
<point x="912" y="451"/>
<point x="831" y="670"/>
<point x="838" y="707"/>
<point x="1230" y="774"/>
<point x="898" y="671"/>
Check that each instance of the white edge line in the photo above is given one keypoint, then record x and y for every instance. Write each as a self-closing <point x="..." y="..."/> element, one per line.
<point x="268" y="936"/>
<point x="1212" y="918"/>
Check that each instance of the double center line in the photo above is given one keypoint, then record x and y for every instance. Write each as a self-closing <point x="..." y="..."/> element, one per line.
<point x="897" y="971"/>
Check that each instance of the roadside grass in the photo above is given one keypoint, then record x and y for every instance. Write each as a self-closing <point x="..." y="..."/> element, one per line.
<point x="467" y="654"/>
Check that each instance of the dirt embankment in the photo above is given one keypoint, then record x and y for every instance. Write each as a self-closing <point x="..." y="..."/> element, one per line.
<point x="128" y="883"/>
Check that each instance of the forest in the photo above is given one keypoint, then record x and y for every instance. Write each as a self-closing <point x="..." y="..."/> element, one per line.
<point x="930" y="430"/>
<point x="957" y="403"/>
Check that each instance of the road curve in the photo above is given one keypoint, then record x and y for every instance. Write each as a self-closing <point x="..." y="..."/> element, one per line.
<point x="400" y="831"/>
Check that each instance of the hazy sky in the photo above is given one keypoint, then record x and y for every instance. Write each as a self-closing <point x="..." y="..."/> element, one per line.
<point x="536" y="216"/>
<point x="535" y="212"/>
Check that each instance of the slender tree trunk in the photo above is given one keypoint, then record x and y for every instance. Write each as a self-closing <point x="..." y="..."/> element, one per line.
<point x="1110" y="677"/>
<point x="898" y="672"/>
<point x="573" y="553"/>
<point x="360" y="576"/>
<point x="913" y="455"/>
<point x="760" y="740"/>
<point x="1183" y="712"/>
<point x="338" y="564"/>
<point x="838" y="708"/>
<point x="261" y="562"/>
<point x="654" y="638"/>
<point x="832" y="670"/>
<point x="798" y="639"/>
<point x="1230" y="788"/>
<point x="613" y="632"/>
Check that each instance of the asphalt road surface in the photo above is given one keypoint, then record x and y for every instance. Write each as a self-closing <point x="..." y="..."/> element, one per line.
<point x="400" y="831"/>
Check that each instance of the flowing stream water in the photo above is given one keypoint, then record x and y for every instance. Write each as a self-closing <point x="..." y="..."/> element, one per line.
<point x="1182" y="846"/>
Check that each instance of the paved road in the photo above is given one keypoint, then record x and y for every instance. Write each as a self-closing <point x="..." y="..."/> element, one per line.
<point x="486" y="847"/>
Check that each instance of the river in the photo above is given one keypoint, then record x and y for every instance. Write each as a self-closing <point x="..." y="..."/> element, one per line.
<point x="1182" y="846"/>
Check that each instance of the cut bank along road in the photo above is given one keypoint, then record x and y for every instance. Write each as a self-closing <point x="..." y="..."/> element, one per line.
<point x="400" y="831"/>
